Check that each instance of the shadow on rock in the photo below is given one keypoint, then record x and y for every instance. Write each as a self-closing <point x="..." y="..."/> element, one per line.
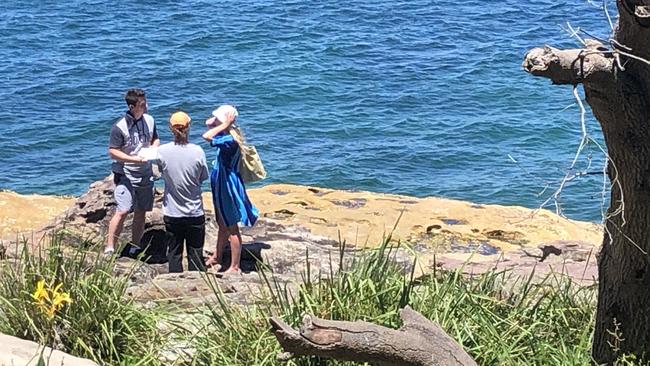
<point x="153" y="249"/>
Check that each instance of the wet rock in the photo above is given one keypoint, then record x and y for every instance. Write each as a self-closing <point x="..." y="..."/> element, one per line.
<point x="280" y="214"/>
<point x="449" y="221"/>
<point x="279" y="192"/>
<point x="318" y="192"/>
<point x="481" y="248"/>
<point x="513" y="237"/>
<point x="408" y="202"/>
<point x="574" y="259"/>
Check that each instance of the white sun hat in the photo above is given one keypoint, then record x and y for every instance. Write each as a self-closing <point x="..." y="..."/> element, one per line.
<point x="219" y="114"/>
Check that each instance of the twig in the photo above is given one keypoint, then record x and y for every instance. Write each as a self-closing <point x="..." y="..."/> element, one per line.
<point x="609" y="19"/>
<point x="627" y="54"/>
<point x="618" y="47"/>
<point x="601" y="40"/>
<point x="568" y="177"/>
<point x="574" y="33"/>
<point x="628" y="239"/>
<point x="618" y="44"/>
<point x="528" y="173"/>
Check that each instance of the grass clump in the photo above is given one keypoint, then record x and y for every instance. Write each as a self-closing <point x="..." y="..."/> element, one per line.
<point x="70" y="300"/>
<point x="499" y="318"/>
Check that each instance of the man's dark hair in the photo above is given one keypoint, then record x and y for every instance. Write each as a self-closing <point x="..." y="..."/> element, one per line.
<point x="132" y="96"/>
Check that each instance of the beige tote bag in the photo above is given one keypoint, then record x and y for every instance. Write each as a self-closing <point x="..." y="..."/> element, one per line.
<point x="251" y="168"/>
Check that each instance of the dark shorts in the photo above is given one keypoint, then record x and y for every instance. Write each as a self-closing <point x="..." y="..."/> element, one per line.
<point x="129" y="198"/>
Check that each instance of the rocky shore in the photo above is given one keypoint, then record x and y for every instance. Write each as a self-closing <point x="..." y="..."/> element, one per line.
<point x="439" y="232"/>
<point x="307" y="230"/>
<point x="24" y="214"/>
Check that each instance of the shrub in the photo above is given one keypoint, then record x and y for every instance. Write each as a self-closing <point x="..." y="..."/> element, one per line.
<point x="69" y="299"/>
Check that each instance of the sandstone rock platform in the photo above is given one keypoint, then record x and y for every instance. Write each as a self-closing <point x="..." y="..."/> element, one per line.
<point x="304" y="226"/>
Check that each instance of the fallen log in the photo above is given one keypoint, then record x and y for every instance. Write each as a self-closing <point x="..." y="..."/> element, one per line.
<point x="419" y="342"/>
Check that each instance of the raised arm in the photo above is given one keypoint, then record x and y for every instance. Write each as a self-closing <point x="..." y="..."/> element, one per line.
<point x="214" y="131"/>
<point x="222" y="126"/>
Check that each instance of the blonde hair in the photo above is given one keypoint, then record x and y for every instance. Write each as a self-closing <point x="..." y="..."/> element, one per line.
<point x="237" y="134"/>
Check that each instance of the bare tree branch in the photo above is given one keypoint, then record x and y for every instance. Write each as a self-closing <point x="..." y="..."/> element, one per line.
<point x="568" y="66"/>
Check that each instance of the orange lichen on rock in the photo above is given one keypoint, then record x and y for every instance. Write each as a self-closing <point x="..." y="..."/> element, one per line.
<point x="22" y="214"/>
<point x="364" y="218"/>
<point x="361" y="218"/>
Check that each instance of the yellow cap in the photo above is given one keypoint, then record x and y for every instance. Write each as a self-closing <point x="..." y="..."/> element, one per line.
<point x="180" y="119"/>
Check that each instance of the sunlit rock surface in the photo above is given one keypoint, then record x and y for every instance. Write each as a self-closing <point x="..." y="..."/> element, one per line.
<point x="304" y="230"/>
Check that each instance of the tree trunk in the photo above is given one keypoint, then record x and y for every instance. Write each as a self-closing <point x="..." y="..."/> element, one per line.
<point x="419" y="342"/>
<point x="618" y="92"/>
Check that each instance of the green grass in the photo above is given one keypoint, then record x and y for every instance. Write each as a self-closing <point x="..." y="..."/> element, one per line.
<point x="500" y="319"/>
<point x="99" y="324"/>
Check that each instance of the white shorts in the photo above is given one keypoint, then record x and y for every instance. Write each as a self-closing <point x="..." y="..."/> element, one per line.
<point x="129" y="198"/>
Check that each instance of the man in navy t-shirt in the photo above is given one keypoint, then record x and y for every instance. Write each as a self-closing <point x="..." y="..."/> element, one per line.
<point x="132" y="174"/>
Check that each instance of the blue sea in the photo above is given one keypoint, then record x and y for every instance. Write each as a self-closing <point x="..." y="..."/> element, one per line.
<point x="424" y="98"/>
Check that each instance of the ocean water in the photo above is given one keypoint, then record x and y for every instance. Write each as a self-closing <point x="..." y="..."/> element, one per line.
<point x="412" y="97"/>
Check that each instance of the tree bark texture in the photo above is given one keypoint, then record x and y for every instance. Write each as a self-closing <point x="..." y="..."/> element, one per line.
<point x="419" y="342"/>
<point x="619" y="95"/>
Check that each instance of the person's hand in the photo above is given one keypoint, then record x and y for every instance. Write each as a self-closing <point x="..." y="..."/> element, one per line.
<point x="140" y="160"/>
<point x="230" y="118"/>
<point x="211" y="122"/>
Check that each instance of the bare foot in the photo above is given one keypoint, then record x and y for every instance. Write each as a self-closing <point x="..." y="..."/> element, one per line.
<point x="212" y="261"/>
<point x="214" y="269"/>
<point x="233" y="270"/>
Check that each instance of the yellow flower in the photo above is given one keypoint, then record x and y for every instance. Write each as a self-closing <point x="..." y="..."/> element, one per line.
<point x="48" y="300"/>
<point x="49" y="312"/>
<point x="60" y="298"/>
<point x="40" y="294"/>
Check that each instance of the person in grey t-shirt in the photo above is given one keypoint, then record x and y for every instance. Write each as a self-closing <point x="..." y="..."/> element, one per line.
<point x="183" y="167"/>
<point x="132" y="174"/>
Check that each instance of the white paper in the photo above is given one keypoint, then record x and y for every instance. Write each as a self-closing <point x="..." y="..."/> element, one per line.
<point x="148" y="153"/>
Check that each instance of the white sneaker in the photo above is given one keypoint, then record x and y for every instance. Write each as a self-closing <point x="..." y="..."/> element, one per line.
<point x="109" y="252"/>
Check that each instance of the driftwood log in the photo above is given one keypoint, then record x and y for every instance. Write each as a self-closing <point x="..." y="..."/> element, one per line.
<point x="419" y="342"/>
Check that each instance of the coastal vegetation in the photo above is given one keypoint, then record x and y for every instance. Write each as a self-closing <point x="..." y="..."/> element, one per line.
<point x="499" y="319"/>
<point x="70" y="299"/>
